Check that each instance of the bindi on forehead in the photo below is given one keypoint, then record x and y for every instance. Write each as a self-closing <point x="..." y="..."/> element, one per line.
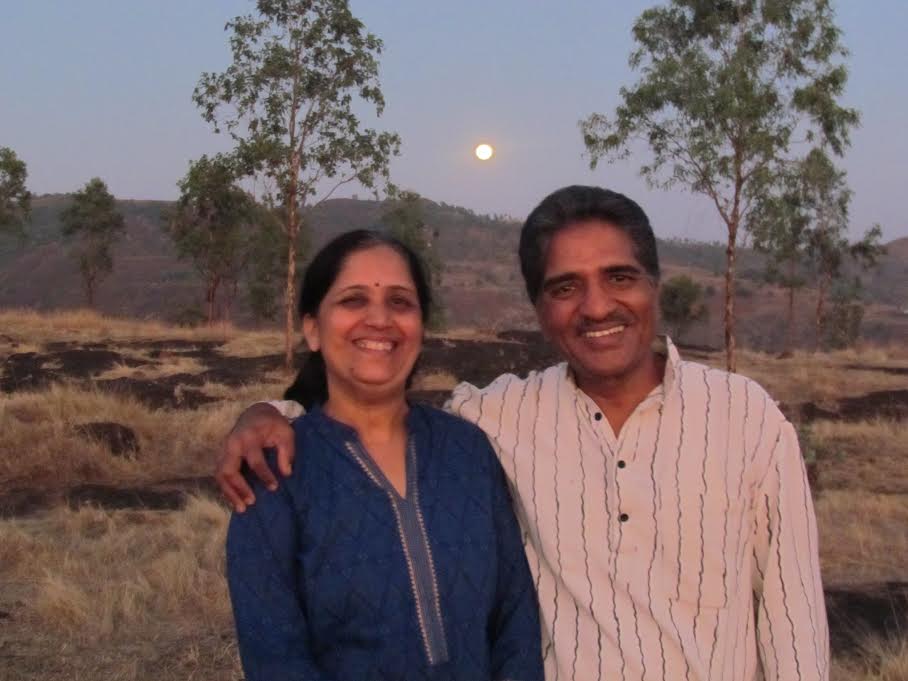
<point x="375" y="284"/>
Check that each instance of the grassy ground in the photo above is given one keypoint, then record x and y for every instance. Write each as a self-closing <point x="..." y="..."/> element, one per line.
<point x="137" y="594"/>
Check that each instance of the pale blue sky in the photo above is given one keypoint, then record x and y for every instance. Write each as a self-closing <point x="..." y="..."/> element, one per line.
<point x="103" y="87"/>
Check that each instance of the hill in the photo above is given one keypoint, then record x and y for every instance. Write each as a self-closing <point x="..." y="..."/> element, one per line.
<point x="482" y="286"/>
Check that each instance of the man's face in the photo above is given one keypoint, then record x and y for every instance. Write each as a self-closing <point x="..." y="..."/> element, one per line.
<point x="598" y="304"/>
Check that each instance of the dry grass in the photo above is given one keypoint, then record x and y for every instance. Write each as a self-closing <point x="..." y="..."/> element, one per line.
<point x="880" y="660"/>
<point x="134" y="595"/>
<point x="118" y="595"/>
<point x="88" y="325"/>
<point x="435" y="380"/>
<point x="863" y="536"/>
<point x="163" y="366"/>
<point x="42" y="449"/>
<point x="865" y="455"/>
<point x="820" y="377"/>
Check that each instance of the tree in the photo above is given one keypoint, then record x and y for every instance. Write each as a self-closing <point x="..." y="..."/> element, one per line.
<point x="94" y="221"/>
<point x="828" y="250"/>
<point x="15" y="199"/>
<point x="780" y="226"/>
<point x="214" y="225"/>
<point x="287" y="101"/>
<point x="842" y="326"/>
<point x="681" y="304"/>
<point x="725" y="88"/>
<point x="405" y="221"/>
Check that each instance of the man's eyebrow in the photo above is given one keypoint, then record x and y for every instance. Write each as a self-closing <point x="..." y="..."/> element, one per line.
<point x="558" y="279"/>
<point x="622" y="269"/>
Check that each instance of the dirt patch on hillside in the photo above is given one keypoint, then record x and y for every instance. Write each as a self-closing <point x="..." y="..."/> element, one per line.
<point x="165" y="495"/>
<point x="858" y="613"/>
<point x="887" y="404"/>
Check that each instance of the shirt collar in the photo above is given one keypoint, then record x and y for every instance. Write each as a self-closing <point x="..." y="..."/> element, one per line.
<point x="662" y="345"/>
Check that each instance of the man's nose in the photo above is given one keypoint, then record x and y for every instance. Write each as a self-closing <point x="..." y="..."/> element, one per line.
<point x="598" y="302"/>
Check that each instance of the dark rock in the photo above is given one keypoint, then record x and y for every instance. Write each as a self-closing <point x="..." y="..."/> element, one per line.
<point x="120" y="440"/>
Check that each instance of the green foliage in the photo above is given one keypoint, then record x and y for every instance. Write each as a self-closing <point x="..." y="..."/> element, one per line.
<point x="405" y="220"/>
<point x="681" y="304"/>
<point x="267" y="263"/>
<point x="15" y="199"/>
<point x="724" y="87"/>
<point x="216" y="225"/>
<point x="287" y="101"/>
<point x="842" y="325"/>
<point x="94" y="223"/>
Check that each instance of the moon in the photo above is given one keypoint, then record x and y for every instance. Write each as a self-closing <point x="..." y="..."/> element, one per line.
<point x="484" y="152"/>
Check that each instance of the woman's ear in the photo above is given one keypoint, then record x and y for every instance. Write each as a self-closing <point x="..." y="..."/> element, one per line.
<point x="310" y="332"/>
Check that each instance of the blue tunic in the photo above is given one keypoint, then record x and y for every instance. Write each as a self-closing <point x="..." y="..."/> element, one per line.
<point x="338" y="577"/>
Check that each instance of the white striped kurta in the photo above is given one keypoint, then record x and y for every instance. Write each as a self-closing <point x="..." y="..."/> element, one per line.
<point x="684" y="547"/>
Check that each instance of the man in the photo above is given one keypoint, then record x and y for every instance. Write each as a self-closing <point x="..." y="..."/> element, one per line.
<point x="664" y="504"/>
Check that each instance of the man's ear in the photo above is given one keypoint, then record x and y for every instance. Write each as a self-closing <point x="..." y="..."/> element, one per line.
<point x="310" y="332"/>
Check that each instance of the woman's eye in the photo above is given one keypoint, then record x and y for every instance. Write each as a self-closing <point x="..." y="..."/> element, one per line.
<point x="401" y="303"/>
<point x="353" y="301"/>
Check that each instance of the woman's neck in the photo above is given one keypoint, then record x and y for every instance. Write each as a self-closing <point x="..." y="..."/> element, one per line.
<point x="376" y="422"/>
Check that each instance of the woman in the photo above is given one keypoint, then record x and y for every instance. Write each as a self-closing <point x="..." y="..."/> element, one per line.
<point x="392" y="551"/>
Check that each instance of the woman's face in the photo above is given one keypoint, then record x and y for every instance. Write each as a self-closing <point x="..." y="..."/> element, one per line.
<point x="369" y="325"/>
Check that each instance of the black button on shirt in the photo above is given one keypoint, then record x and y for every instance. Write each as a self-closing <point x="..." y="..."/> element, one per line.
<point x="621" y="464"/>
<point x="598" y="416"/>
<point x="624" y="517"/>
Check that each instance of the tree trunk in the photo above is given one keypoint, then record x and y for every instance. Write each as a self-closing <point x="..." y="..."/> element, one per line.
<point x="289" y="291"/>
<point x="730" y="359"/>
<point x="820" y="319"/>
<point x="789" y="326"/>
<point x="210" y="293"/>
<point x="90" y="289"/>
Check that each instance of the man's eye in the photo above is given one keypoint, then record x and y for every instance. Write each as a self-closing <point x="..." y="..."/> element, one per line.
<point x="622" y="280"/>
<point x="562" y="290"/>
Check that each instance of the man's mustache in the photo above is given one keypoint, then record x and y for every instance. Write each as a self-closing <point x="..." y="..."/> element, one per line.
<point x="612" y="319"/>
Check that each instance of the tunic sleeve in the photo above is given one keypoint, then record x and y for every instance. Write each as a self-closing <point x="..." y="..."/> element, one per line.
<point x="514" y="633"/>
<point x="791" y="620"/>
<point x="268" y="606"/>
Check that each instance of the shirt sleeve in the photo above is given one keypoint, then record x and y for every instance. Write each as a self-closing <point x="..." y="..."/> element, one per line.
<point x="289" y="409"/>
<point x="514" y="632"/>
<point x="792" y="631"/>
<point x="268" y="605"/>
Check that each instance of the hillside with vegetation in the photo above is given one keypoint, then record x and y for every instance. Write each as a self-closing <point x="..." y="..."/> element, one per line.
<point x="481" y="285"/>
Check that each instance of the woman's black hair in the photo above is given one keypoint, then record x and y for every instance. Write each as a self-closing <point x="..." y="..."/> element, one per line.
<point x="311" y="384"/>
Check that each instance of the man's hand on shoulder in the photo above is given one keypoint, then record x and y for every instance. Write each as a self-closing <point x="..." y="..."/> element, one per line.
<point x="260" y="426"/>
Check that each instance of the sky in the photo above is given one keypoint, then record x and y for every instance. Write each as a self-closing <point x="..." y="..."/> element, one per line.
<point x="104" y="88"/>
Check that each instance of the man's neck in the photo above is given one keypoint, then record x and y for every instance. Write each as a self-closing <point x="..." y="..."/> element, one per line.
<point x="618" y="396"/>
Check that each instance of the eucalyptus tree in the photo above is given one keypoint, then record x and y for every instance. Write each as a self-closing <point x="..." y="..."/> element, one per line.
<point x="287" y="100"/>
<point x="15" y="199"/>
<point x="726" y="89"/>
<point x="94" y="223"/>
<point x="406" y="220"/>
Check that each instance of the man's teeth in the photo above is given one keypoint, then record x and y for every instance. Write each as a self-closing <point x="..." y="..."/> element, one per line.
<point x="605" y="332"/>
<point x="374" y="345"/>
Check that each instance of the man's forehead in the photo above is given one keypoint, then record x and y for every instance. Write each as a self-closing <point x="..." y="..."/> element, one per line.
<point x="590" y="244"/>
